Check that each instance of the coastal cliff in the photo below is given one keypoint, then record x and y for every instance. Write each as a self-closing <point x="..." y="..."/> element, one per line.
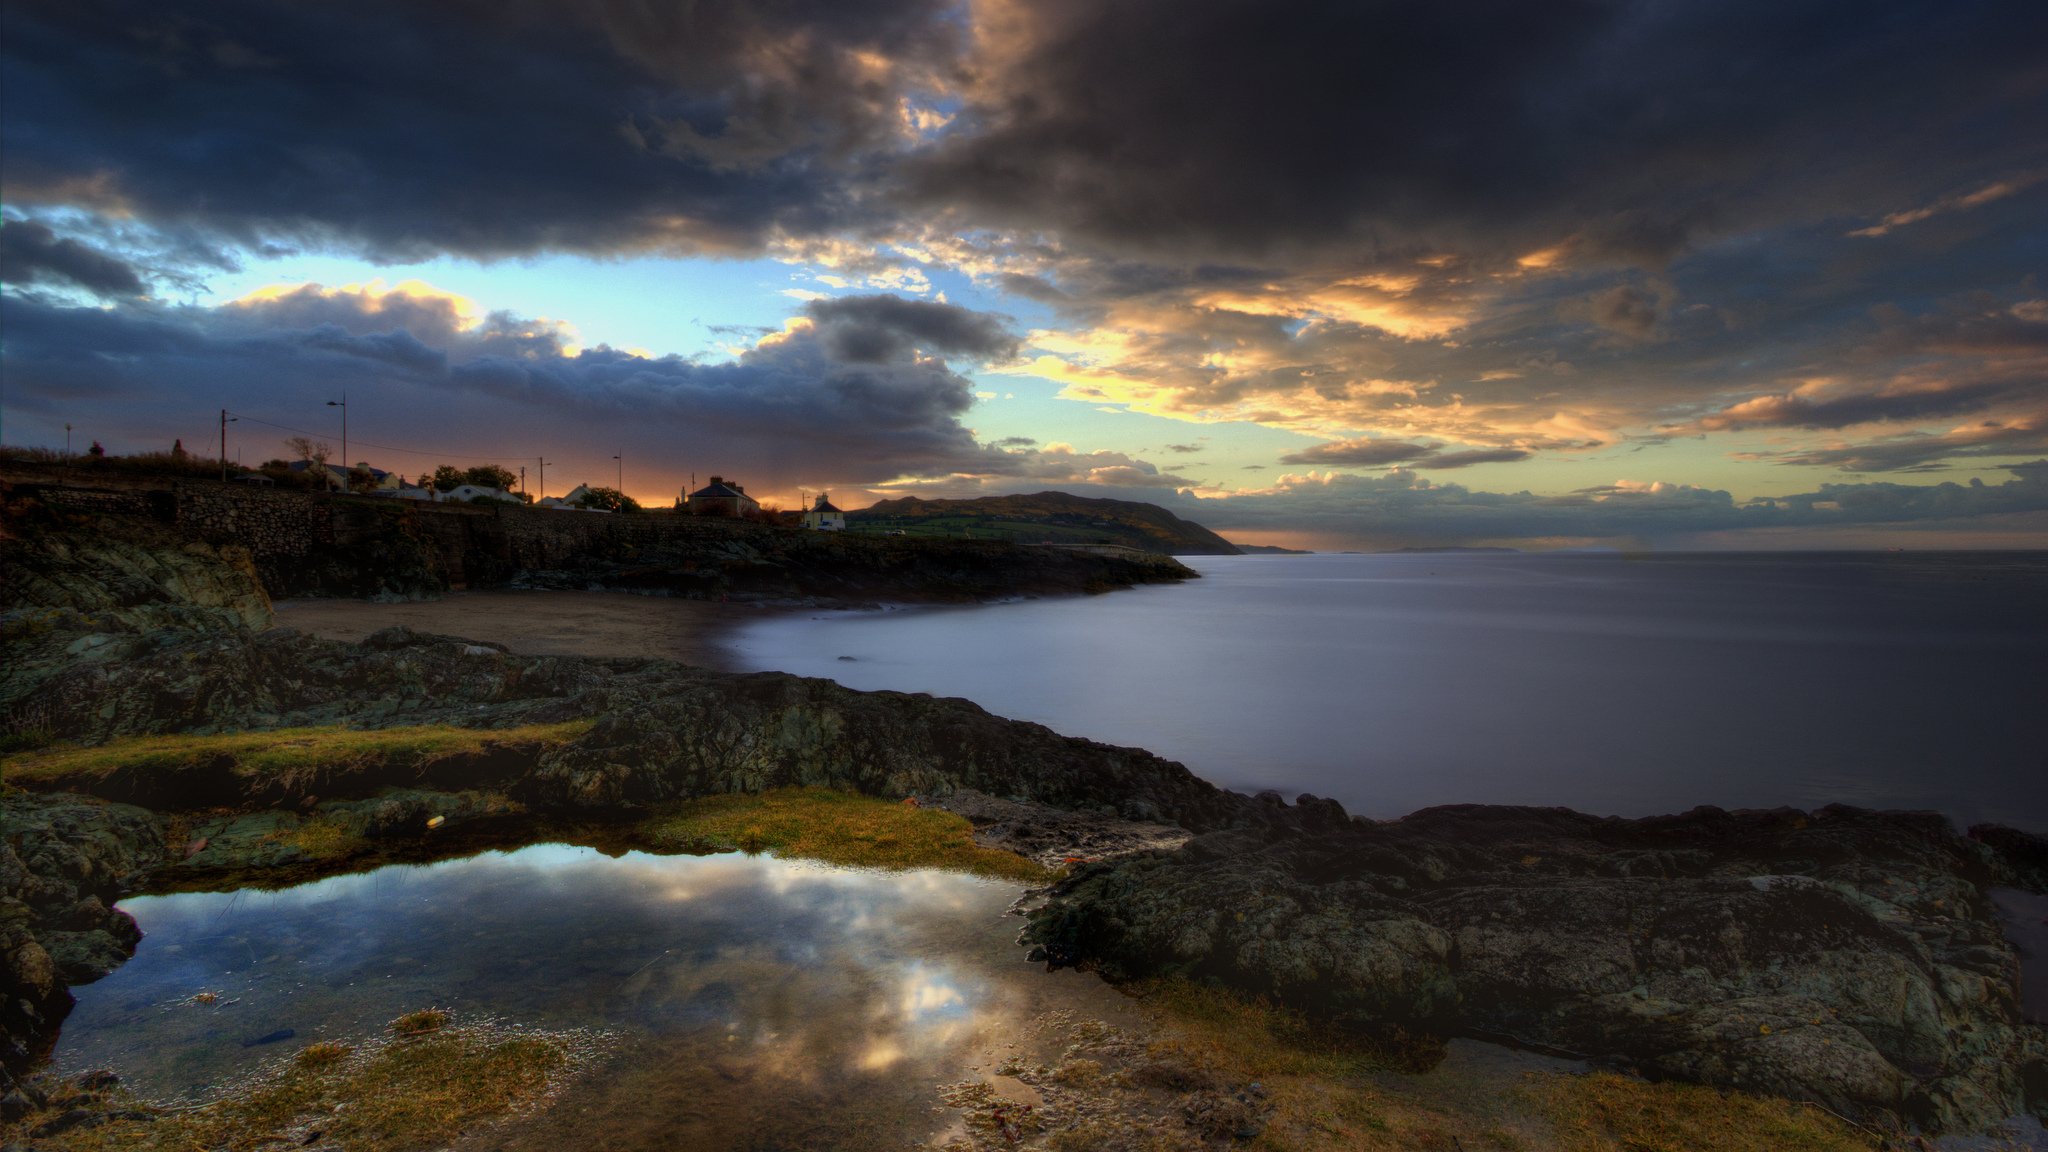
<point x="308" y="544"/>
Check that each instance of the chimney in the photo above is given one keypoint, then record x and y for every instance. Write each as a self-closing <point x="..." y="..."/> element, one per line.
<point x="717" y="480"/>
<point x="740" y="488"/>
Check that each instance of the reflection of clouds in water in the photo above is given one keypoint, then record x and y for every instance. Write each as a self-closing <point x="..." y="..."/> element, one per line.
<point x="926" y="993"/>
<point x="797" y="969"/>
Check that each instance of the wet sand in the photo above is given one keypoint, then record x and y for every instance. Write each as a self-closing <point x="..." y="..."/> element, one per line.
<point x="544" y="623"/>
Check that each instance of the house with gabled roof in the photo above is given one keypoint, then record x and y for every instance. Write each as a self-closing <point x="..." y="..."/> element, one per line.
<point x="722" y="497"/>
<point x="823" y="517"/>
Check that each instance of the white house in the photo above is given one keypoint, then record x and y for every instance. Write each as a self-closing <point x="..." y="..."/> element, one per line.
<point x="466" y="493"/>
<point x="380" y="482"/>
<point x="823" y="517"/>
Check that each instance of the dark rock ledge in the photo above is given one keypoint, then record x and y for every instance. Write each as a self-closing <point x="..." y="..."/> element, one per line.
<point x="1843" y="956"/>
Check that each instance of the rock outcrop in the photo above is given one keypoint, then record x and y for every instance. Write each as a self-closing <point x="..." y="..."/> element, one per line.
<point x="1847" y="957"/>
<point x="129" y="570"/>
<point x="64" y="860"/>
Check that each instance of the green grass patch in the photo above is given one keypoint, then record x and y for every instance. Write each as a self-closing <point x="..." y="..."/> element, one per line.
<point x="838" y="828"/>
<point x="1605" y="1112"/>
<point x="282" y="752"/>
<point x="392" y="1096"/>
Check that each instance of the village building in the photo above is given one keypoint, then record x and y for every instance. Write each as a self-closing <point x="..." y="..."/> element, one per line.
<point x="470" y="493"/>
<point x="823" y="517"/>
<point x="379" y="482"/>
<point x="570" y="503"/>
<point x="722" y="498"/>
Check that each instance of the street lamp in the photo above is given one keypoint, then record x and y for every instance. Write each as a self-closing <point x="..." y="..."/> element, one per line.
<point x="543" y="478"/>
<point x="621" y="458"/>
<point x="343" y="405"/>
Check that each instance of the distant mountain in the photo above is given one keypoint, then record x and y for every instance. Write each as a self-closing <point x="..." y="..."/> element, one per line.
<point x="1045" y="518"/>
<point x="1269" y="550"/>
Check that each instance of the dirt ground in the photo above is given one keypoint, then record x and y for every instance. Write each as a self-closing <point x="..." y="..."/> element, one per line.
<point x="543" y="623"/>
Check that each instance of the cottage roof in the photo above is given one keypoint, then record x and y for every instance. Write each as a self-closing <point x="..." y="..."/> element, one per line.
<point x="824" y="505"/>
<point x="720" y="488"/>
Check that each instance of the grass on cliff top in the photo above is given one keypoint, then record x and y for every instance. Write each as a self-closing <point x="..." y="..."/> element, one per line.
<point x="1331" y="1090"/>
<point x="401" y="1094"/>
<point x="280" y="752"/>
<point x="836" y="827"/>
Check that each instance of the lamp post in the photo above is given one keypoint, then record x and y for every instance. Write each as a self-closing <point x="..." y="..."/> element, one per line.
<point x="543" y="479"/>
<point x="345" y="466"/>
<point x="67" y="441"/>
<point x="621" y="458"/>
<point x="225" y="420"/>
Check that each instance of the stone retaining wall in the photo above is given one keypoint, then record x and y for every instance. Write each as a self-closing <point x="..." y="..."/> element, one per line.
<point x="453" y="545"/>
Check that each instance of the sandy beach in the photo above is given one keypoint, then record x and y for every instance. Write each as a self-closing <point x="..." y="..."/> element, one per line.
<point x="543" y="623"/>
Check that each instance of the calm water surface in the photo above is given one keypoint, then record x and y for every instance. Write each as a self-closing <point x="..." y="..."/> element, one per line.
<point x="762" y="1003"/>
<point x="1606" y="683"/>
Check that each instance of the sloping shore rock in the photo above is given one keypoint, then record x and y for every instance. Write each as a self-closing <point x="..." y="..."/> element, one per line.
<point x="1843" y="956"/>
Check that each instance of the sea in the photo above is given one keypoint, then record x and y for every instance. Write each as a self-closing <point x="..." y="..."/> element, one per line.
<point x="1615" y="684"/>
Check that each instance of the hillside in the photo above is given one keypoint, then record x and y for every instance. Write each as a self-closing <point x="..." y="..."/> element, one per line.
<point x="1045" y="518"/>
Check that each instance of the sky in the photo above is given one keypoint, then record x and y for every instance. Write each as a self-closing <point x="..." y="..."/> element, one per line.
<point x="1343" y="274"/>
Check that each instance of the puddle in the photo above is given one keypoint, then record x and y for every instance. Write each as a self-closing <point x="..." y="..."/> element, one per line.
<point x="760" y="1003"/>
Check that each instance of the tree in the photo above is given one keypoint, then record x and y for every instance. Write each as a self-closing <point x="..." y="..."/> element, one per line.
<point x="307" y="448"/>
<point x="96" y="452"/>
<point x="491" y="476"/>
<point x="609" y="499"/>
<point x="178" y="449"/>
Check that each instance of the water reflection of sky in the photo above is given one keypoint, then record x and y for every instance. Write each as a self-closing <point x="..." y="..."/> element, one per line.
<point x="809" y="974"/>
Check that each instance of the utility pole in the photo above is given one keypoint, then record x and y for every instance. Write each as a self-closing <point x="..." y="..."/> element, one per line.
<point x="621" y="458"/>
<point x="522" y="482"/>
<point x="346" y="468"/>
<point x="543" y="480"/>
<point x="225" y="420"/>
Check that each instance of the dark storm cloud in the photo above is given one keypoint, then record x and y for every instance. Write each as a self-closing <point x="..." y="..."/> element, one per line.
<point x="1239" y="125"/>
<point x="30" y="253"/>
<point x="1926" y="452"/>
<point x="1367" y="453"/>
<point x="422" y="372"/>
<point x="411" y="129"/>
<point x="1474" y="456"/>
<point x="872" y="329"/>
<point x="1795" y="411"/>
<point x="1358" y="453"/>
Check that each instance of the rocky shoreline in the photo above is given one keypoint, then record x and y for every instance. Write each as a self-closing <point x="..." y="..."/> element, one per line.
<point x="1845" y="957"/>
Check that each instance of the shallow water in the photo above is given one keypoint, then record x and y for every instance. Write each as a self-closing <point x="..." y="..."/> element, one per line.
<point x="1612" y="684"/>
<point x="760" y="1003"/>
